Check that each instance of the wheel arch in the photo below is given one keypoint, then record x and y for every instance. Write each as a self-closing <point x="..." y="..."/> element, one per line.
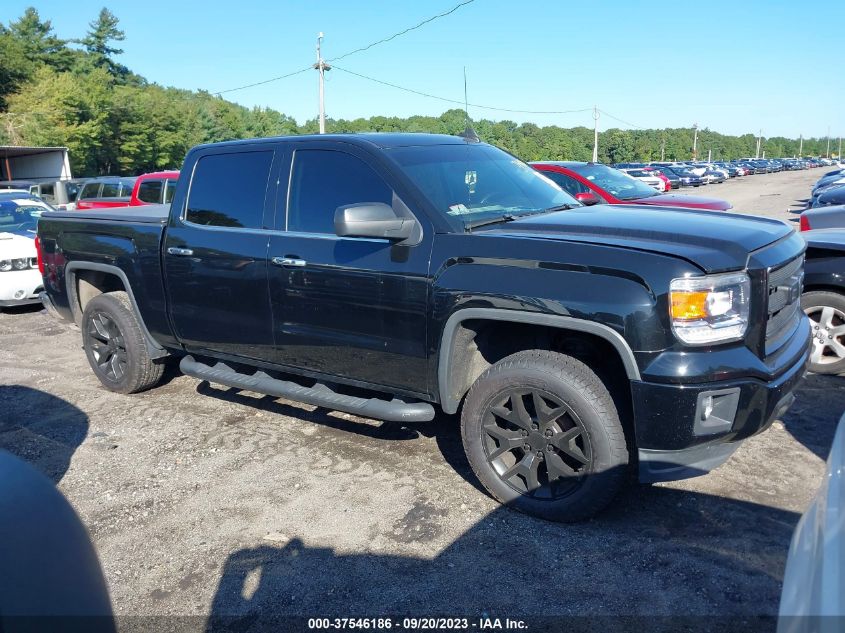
<point x="455" y="373"/>
<point x="113" y="278"/>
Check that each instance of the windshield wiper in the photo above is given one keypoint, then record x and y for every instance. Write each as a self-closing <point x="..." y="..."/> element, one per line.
<point x="508" y="217"/>
<point x="562" y="207"/>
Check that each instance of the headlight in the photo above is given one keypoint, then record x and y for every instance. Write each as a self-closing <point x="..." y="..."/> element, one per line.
<point x="24" y="263"/>
<point x="5" y="264"/>
<point x="20" y="264"/>
<point x="710" y="309"/>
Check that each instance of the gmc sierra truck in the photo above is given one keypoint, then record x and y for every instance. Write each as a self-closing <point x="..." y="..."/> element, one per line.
<point x="395" y="275"/>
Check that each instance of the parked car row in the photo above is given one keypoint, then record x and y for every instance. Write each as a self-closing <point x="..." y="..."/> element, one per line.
<point x="595" y="183"/>
<point x="100" y="192"/>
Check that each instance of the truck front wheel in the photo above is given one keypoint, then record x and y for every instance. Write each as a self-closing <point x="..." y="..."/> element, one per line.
<point x="827" y="315"/>
<point x="543" y="436"/>
<point x="115" y="345"/>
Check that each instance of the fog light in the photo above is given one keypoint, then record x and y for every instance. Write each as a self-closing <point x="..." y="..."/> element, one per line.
<point x="20" y="294"/>
<point x="715" y="411"/>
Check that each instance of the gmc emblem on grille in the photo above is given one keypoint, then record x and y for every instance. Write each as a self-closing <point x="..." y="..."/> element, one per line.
<point x="793" y="290"/>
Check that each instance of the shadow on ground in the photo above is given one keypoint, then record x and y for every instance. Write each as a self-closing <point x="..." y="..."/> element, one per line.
<point x="40" y="428"/>
<point x="719" y="556"/>
<point x="812" y="419"/>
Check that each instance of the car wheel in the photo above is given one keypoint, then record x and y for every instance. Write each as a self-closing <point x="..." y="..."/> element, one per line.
<point x="827" y="315"/>
<point x="115" y="346"/>
<point x="543" y="436"/>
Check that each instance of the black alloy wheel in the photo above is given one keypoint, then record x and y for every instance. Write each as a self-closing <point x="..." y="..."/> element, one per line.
<point x="536" y="443"/>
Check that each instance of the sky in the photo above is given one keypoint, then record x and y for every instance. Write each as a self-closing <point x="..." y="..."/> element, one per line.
<point x="735" y="67"/>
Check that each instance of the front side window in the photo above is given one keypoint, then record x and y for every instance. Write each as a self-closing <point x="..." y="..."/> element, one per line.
<point x="229" y="189"/>
<point x="48" y="193"/>
<point x="615" y="182"/>
<point x="150" y="191"/>
<point x="475" y="182"/>
<point x="72" y="189"/>
<point x="322" y="181"/>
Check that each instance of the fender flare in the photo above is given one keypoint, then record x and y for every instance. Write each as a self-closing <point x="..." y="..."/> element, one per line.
<point x="155" y="349"/>
<point x="449" y="403"/>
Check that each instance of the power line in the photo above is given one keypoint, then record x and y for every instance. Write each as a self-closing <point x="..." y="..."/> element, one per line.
<point x="447" y="100"/>
<point x="604" y="112"/>
<point x="400" y="33"/>
<point x="357" y="50"/>
<point x="266" y="81"/>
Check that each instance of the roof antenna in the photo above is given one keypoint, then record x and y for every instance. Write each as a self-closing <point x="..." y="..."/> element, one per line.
<point x="468" y="134"/>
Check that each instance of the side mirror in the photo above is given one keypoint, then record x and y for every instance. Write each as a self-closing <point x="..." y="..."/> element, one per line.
<point x="372" y="219"/>
<point x="587" y="198"/>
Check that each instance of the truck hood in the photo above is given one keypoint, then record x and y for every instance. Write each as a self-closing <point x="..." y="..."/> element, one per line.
<point x="681" y="200"/>
<point x="713" y="242"/>
<point x="17" y="245"/>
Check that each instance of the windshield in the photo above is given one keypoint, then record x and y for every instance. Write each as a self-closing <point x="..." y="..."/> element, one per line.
<point x="471" y="183"/>
<point x="16" y="218"/>
<point x="615" y="182"/>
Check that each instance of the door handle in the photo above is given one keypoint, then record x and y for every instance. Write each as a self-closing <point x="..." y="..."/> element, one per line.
<point x="180" y="252"/>
<point x="288" y="261"/>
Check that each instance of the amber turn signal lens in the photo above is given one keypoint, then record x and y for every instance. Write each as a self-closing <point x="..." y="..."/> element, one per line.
<point x="688" y="306"/>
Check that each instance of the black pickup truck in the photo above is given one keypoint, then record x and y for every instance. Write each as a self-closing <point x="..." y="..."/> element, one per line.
<point x="394" y="275"/>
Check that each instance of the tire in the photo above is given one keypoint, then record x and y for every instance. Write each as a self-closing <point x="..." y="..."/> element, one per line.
<point x="826" y="310"/>
<point x="568" y="421"/>
<point x="115" y="346"/>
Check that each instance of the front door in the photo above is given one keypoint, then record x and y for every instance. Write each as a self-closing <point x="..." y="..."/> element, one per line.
<point x="342" y="306"/>
<point x="215" y="255"/>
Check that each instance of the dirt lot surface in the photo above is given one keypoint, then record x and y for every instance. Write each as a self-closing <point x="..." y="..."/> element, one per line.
<point x="204" y="502"/>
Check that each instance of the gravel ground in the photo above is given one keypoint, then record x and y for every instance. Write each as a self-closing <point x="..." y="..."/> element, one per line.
<point x="203" y="501"/>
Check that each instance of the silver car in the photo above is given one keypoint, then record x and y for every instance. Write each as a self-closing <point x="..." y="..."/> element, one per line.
<point x="813" y="598"/>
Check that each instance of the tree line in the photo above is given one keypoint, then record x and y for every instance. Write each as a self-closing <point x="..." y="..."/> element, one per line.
<point x="73" y="93"/>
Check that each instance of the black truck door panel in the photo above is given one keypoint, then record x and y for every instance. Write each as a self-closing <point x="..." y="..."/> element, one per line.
<point x="215" y="255"/>
<point x="350" y="307"/>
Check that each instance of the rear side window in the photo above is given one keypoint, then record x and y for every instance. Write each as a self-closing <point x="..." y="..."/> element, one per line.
<point x="568" y="183"/>
<point x="169" y="191"/>
<point x="322" y="181"/>
<point x="110" y="190"/>
<point x="150" y="191"/>
<point x="229" y="189"/>
<point x="91" y="190"/>
<point x="48" y="192"/>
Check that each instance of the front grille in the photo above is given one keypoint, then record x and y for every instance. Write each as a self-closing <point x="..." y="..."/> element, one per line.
<point x="784" y="307"/>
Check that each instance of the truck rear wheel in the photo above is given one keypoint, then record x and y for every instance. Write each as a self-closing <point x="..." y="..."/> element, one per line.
<point x="115" y="347"/>
<point x="543" y="436"/>
<point x="827" y="315"/>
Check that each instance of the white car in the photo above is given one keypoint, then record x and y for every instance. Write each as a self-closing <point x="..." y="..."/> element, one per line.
<point x="20" y="280"/>
<point x="648" y="178"/>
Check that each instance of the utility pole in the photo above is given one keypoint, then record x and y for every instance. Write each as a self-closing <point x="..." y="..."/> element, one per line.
<point x="321" y="67"/>
<point x="596" y="134"/>
<point x="828" y="141"/>
<point x="662" y="149"/>
<point x="709" y="154"/>
<point x="759" y="144"/>
<point x="839" y="153"/>
<point x="695" y="141"/>
<point x="801" y="146"/>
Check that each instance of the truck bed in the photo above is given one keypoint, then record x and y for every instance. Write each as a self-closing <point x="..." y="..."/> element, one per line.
<point x="148" y="214"/>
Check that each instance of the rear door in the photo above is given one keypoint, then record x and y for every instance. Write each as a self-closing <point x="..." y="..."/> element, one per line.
<point x="344" y="306"/>
<point x="215" y="254"/>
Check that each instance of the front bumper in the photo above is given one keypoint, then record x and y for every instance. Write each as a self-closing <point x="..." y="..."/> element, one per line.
<point x="19" y="287"/>
<point x="676" y="441"/>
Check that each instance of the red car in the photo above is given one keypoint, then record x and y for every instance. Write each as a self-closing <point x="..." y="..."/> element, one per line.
<point x="593" y="183"/>
<point x="115" y="191"/>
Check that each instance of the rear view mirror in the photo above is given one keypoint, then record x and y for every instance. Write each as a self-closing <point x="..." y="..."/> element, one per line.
<point x="372" y="219"/>
<point x="587" y="198"/>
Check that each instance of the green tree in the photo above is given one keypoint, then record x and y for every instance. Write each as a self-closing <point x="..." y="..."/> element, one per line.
<point x="97" y="42"/>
